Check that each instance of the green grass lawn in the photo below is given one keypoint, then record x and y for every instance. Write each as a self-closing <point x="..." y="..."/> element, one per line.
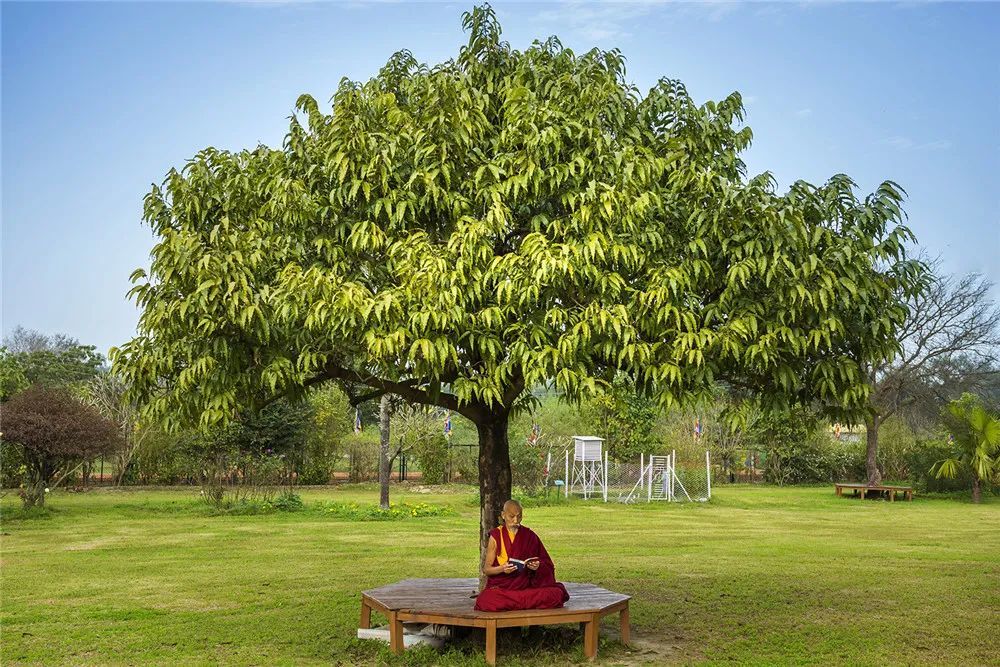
<point x="759" y="575"/>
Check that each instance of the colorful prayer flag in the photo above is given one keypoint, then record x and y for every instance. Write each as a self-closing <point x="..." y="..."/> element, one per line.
<point x="447" y="425"/>
<point x="357" y="420"/>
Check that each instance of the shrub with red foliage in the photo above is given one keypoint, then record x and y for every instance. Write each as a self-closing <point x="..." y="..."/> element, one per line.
<point x="56" y="431"/>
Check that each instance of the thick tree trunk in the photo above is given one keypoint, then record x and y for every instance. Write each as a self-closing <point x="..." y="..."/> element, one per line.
<point x="383" y="452"/>
<point x="977" y="492"/>
<point x="494" y="478"/>
<point x="871" y="463"/>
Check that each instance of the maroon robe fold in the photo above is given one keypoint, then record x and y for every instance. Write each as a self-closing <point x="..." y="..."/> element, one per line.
<point x="526" y="589"/>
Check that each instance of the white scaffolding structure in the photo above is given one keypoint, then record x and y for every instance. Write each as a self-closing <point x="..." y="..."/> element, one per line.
<point x="658" y="479"/>
<point x="589" y="474"/>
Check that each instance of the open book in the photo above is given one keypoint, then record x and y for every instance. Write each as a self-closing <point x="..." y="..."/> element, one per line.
<point x="521" y="564"/>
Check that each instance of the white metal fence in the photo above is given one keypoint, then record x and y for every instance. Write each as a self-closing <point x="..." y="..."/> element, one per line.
<point x="651" y="478"/>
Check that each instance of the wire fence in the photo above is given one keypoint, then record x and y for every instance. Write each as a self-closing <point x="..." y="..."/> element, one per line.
<point x="651" y="478"/>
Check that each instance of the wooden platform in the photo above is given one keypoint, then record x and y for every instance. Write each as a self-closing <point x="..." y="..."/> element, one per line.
<point x="449" y="602"/>
<point x="864" y="489"/>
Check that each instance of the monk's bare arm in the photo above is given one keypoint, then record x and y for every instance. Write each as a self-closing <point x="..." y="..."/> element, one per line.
<point x="491" y="554"/>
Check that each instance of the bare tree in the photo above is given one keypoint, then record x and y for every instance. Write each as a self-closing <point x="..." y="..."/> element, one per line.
<point x="107" y="393"/>
<point x="25" y="341"/>
<point x="950" y="345"/>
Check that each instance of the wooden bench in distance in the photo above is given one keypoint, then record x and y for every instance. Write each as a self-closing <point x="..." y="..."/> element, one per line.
<point x="448" y="602"/>
<point x="864" y="489"/>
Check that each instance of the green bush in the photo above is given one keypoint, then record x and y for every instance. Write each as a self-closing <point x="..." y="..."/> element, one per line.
<point x="363" y="452"/>
<point x="896" y="441"/>
<point x="287" y="502"/>
<point x="527" y="464"/>
<point x="396" y="511"/>
<point x="842" y="460"/>
<point x="464" y="463"/>
<point x="12" y="468"/>
<point x="431" y="451"/>
<point x="924" y="454"/>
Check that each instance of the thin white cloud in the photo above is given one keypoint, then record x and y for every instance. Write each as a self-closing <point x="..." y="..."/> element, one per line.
<point x="907" y="144"/>
<point x="609" y="20"/>
<point x="802" y="113"/>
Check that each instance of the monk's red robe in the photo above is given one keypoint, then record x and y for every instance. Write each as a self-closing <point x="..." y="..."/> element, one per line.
<point x="527" y="589"/>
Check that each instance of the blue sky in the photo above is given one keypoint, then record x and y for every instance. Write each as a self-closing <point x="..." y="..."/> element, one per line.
<point x="100" y="100"/>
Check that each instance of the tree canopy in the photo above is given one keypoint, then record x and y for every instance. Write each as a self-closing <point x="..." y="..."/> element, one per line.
<point x="456" y="234"/>
<point x="56" y="430"/>
<point x="31" y="357"/>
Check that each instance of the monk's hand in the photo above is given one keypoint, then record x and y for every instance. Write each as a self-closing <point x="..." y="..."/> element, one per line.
<point x="509" y="567"/>
<point x="533" y="564"/>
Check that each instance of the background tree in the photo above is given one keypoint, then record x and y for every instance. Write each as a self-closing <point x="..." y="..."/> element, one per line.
<point x="331" y="424"/>
<point x="420" y="430"/>
<point x="57" y="360"/>
<point x="56" y="433"/>
<point x="12" y="377"/>
<point x="106" y="393"/>
<point x="975" y="432"/>
<point x="625" y="418"/>
<point x="950" y="345"/>
<point x="456" y="234"/>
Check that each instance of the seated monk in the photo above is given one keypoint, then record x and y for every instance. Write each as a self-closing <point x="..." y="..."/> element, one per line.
<point x="534" y="586"/>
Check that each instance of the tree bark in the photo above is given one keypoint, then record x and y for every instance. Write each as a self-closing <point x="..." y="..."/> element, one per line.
<point x="494" y="479"/>
<point x="871" y="462"/>
<point x="383" y="452"/>
<point x="977" y="492"/>
<point x="37" y="477"/>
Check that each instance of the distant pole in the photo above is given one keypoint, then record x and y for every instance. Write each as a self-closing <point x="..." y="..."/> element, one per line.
<point x="642" y="472"/>
<point x="708" y="474"/>
<point x="605" y="477"/>
<point x="649" y="486"/>
<point x="673" y="472"/>
<point x="566" y="481"/>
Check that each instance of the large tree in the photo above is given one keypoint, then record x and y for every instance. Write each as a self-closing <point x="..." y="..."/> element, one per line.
<point x="950" y="346"/>
<point x="456" y="234"/>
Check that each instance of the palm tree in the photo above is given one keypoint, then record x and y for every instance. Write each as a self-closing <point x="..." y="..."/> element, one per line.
<point x="975" y="437"/>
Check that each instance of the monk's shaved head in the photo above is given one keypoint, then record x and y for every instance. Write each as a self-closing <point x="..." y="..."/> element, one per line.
<point x="512" y="505"/>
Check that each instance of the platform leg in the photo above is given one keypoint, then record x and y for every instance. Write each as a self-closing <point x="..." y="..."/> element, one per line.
<point x="625" y="631"/>
<point x="590" y="633"/>
<point x="366" y="616"/>
<point x="491" y="643"/>
<point x="395" y="633"/>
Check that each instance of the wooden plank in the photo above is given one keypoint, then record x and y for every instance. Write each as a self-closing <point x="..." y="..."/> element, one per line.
<point x="521" y="622"/>
<point x="443" y="619"/>
<point x="376" y="605"/>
